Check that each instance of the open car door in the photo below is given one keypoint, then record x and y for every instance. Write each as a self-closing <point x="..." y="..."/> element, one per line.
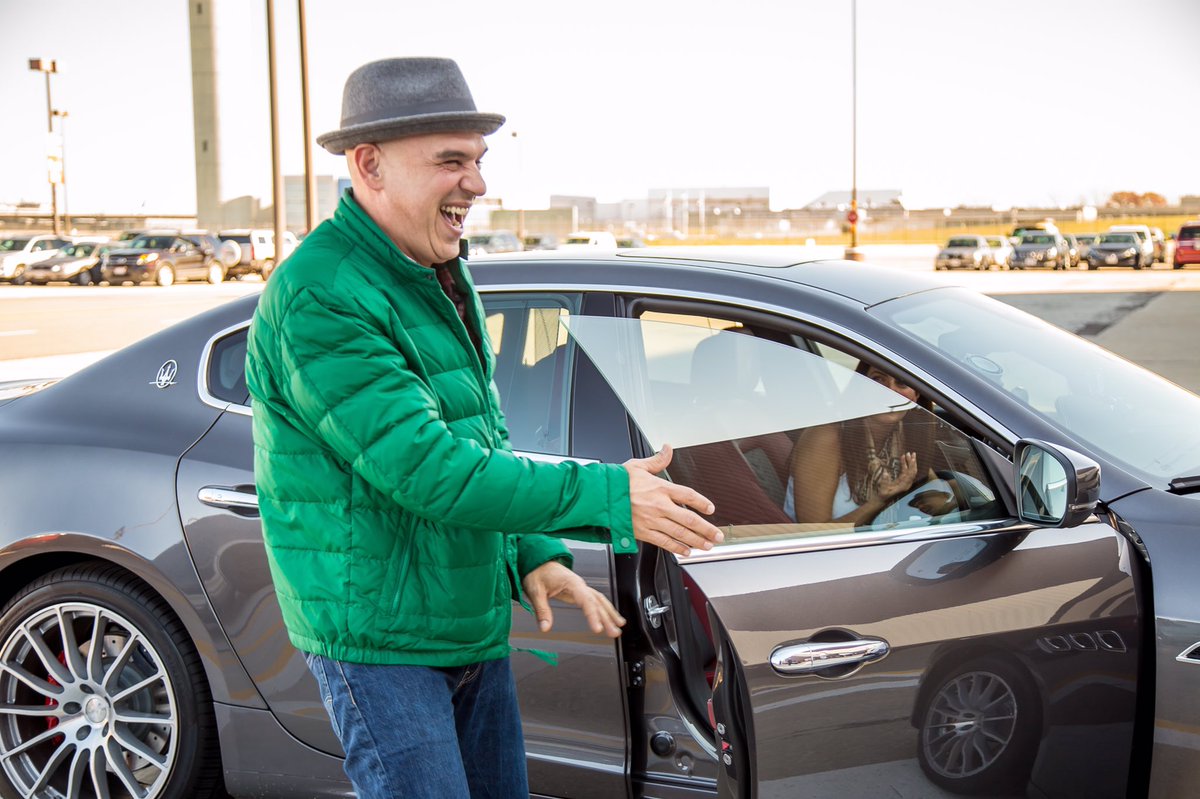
<point x="941" y="647"/>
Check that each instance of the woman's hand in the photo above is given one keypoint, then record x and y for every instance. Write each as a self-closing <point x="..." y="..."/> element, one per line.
<point x="888" y="488"/>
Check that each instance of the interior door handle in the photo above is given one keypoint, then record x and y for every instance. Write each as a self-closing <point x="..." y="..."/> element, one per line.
<point x="234" y="498"/>
<point x="813" y="657"/>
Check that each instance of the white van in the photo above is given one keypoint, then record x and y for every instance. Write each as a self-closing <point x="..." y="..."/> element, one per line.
<point x="247" y="252"/>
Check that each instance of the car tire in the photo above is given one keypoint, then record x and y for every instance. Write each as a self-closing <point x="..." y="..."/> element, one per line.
<point x="267" y="268"/>
<point x="18" y="277"/>
<point x="216" y="273"/>
<point x="165" y="275"/>
<point x="144" y="698"/>
<point x="980" y="727"/>
<point x="84" y="278"/>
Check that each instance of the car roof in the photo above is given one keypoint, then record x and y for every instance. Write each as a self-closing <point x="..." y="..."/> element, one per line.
<point x="858" y="281"/>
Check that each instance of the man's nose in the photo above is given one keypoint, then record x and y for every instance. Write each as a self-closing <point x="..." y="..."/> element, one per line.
<point x="473" y="182"/>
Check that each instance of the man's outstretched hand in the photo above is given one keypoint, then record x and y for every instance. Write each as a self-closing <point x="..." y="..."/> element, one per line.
<point x="554" y="580"/>
<point x="666" y="514"/>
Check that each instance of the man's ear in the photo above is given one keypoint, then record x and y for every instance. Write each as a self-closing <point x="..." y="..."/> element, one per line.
<point x="366" y="158"/>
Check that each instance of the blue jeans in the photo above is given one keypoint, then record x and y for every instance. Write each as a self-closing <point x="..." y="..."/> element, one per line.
<point x="416" y="731"/>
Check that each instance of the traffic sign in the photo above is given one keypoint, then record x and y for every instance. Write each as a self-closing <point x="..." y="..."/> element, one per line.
<point x="852" y="217"/>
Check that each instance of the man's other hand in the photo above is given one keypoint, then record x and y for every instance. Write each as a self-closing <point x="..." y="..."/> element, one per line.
<point x="665" y="514"/>
<point x="554" y="580"/>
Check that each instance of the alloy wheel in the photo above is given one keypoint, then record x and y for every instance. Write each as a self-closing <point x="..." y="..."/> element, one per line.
<point x="87" y="706"/>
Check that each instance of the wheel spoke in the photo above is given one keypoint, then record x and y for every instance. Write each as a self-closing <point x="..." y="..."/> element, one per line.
<point x="121" y="769"/>
<point x="100" y="774"/>
<point x="142" y="718"/>
<point x="59" y="755"/>
<point x="45" y="711"/>
<point x="48" y="690"/>
<point x="138" y="686"/>
<point x="119" y="663"/>
<point x="79" y="770"/>
<point x="53" y="668"/>
<point x="70" y="644"/>
<point x="132" y="744"/>
<point x="36" y="740"/>
<point x="95" y="655"/>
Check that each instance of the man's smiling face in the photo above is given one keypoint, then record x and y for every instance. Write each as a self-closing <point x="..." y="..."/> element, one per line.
<point x="428" y="184"/>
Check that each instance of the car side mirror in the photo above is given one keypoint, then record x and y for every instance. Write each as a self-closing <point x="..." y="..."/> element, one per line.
<point x="1055" y="486"/>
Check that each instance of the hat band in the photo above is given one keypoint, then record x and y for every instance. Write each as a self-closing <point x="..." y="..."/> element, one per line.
<point x="455" y="104"/>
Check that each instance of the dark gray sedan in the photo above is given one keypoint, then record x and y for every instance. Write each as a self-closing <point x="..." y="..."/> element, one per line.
<point x="1022" y="621"/>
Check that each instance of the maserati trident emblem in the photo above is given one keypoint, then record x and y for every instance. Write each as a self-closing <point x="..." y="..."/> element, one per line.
<point x="166" y="375"/>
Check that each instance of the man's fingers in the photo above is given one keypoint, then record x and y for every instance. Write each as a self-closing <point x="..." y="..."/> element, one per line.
<point x="682" y="495"/>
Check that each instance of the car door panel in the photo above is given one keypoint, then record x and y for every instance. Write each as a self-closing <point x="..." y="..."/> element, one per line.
<point x="1057" y="605"/>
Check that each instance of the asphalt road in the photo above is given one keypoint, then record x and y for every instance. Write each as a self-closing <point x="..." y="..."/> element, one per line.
<point x="47" y="331"/>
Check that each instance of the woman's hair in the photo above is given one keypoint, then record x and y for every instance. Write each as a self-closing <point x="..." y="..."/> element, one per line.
<point x="920" y="428"/>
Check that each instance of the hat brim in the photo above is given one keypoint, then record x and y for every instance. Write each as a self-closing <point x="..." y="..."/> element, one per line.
<point x="339" y="141"/>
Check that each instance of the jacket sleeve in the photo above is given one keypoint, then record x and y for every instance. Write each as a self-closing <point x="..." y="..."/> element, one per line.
<point x="348" y="383"/>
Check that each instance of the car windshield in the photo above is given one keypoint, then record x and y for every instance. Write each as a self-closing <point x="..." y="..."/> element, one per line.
<point x="1133" y="416"/>
<point x="153" y="243"/>
<point x="963" y="243"/>
<point x="79" y="250"/>
<point x="1037" y="240"/>
<point x="1086" y="238"/>
<point x="1186" y="233"/>
<point x="996" y="242"/>
<point x="1117" y="238"/>
<point x="9" y="245"/>
<point x="578" y="240"/>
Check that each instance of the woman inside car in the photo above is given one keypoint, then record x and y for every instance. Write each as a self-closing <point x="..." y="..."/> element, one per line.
<point x="848" y="471"/>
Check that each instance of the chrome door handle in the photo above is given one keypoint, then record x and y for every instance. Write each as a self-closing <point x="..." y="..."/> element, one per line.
<point x="814" y="657"/>
<point x="227" y="497"/>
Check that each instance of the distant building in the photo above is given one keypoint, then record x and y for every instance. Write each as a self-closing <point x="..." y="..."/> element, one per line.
<point x="867" y="198"/>
<point x="329" y="190"/>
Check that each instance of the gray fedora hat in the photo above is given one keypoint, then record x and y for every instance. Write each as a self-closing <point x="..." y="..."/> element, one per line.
<point x="399" y="97"/>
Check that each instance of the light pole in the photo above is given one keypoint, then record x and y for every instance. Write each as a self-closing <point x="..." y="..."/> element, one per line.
<point x="310" y="178"/>
<point x="852" y="254"/>
<point x="520" y="178"/>
<point x="49" y="66"/>
<point x="62" y="135"/>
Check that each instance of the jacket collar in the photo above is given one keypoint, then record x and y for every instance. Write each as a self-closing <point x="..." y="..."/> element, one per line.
<point x="353" y="221"/>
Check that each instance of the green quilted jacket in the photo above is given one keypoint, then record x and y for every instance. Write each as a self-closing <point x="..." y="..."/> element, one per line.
<point x="397" y="522"/>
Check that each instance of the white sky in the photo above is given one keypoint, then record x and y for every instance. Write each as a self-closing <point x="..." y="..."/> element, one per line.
<point x="960" y="101"/>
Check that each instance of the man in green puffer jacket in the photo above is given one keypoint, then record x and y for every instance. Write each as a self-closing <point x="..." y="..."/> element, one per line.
<point x="398" y="524"/>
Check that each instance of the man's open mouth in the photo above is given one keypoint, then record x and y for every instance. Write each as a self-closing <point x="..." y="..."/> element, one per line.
<point x="455" y="214"/>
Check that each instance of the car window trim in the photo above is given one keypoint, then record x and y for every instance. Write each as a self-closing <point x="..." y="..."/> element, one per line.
<point x="202" y="377"/>
<point x="797" y="321"/>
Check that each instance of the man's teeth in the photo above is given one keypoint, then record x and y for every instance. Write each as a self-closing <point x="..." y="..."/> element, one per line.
<point x="457" y="212"/>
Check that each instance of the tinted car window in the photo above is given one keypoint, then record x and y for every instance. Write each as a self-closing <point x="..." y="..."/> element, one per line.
<point x="226" y="375"/>
<point x="533" y="367"/>
<point x="741" y="410"/>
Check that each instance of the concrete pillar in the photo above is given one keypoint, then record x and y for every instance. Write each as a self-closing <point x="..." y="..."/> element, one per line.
<point x="205" y="111"/>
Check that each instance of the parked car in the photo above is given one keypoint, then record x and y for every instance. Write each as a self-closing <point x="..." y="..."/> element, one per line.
<point x="968" y="252"/>
<point x="1160" y="245"/>
<point x="252" y="252"/>
<point x="1034" y="635"/>
<point x="1085" y="241"/>
<point x="1145" y="241"/>
<point x="1117" y="249"/>
<point x="1041" y="249"/>
<point x="77" y="263"/>
<point x="596" y="240"/>
<point x="493" y="242"/>
<point x="1187" y="245"/>
<point x="18" y="252"/>
<point x="630" y="242"/>
<point x="164" y="259"/>
<point x="1045" y="226"/>
<point x="1073" y="251"/>
<point x="540" y="241"/>
<point x="1002" y="250"/>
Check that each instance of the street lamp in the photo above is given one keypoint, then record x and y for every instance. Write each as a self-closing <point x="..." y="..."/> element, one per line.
<point x="62" y="166"/>
<point x="49" y="66"/>
<point x="520" y="170"/>
<point x="852" y="253"/>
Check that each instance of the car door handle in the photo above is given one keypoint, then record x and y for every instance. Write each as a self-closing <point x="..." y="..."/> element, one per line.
<point x="234" y="498"/>
<point x="813" y="657"/>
